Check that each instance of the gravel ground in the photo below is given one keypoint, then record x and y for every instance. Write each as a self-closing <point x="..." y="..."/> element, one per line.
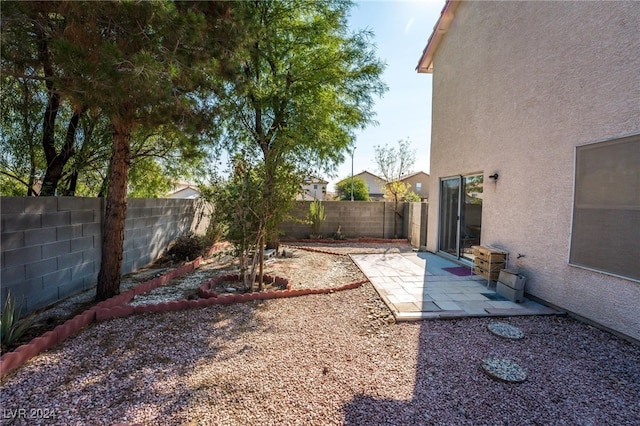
<point x="327" y="359"/>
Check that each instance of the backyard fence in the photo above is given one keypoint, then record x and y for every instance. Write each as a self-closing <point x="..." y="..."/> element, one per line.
<point x="51" y="246"/>
<point x="362" y="219"/>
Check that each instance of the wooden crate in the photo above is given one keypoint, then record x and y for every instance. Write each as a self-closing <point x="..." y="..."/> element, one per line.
<point x="489" y="254"/>
<point x="483" y="272"/>
<point x="485" y="264"/>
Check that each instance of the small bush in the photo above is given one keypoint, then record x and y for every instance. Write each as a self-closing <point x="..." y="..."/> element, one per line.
<point x="11" y="327"/>
<point x="188" y="247"/>
<point x="316" y="217"/>
<point x="338" y="235"/>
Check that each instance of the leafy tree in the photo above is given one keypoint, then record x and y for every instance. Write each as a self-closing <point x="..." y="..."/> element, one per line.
<point x="301" y="86"/>
<point x="28" y="30"/>
<point x="412" y="197"/>
<point x="360" y="190"/>
<point x="142" y="64"/>
<point x="236" y="207"/>
<point x="86" y="171"/>
<point x="72" y="158"/>
<point x="392" y="164"/>
<point x="159" y="158"/>
<point x="146" y="179"/>
<point x="21" y="160"/>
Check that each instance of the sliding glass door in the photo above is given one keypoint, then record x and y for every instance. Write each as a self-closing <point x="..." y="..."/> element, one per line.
<point x="449" y="215"/>
<point x="460" y="215"/>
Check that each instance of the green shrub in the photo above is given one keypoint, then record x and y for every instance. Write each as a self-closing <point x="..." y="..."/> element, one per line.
<point x="412" y="197"/>
<point x="188" y="247"/>
<point x="11" y="327"/>
<point x="360" y="190"/>
<point x="316" y="217"/>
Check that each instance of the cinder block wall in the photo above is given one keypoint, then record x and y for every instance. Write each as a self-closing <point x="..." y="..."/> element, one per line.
<point x="51" y="246"/>
<point x="355" y="219"/>
<point x="152" y="223"/>
<point x="416" y="224"/>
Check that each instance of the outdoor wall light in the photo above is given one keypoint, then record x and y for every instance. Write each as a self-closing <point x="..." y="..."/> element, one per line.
<point x="494" y="176"/>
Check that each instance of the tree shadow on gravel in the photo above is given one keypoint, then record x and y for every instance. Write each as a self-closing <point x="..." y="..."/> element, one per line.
<point x="114" y="369"/>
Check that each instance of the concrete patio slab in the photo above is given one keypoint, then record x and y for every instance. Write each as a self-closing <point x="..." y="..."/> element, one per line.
<point x="415" y="286"/>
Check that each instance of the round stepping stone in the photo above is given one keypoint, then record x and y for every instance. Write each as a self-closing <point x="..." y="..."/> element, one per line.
<point x="503" y="370"/>
<point x="505" y="330"/>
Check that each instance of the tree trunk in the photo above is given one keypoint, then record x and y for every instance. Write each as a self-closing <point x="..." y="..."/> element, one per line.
<point x="395" y="218"/>
<point x="273" y="242"/>
<point x="115" y="212"/>
<point x="260" y="249"/>
<point x="48" y="140"/>
<point x="32" y="180"/>
<point x="56" y="161"/>
<point x="70" y="191"/>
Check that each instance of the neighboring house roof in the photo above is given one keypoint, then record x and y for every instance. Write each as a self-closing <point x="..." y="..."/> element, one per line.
<point x="375" y="183"/>
<point x="410" y="175"/>
<point x="313" y="188"/>
<point x="371" y="174"/>
<point x="418" y="182"/>
<point x="184" y="190"/>
<point x="313" y="179"/>
<point x="363" y="175"/>
<point x="425" y="65"/>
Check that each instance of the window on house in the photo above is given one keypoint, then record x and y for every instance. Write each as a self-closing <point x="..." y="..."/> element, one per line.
<point x="315" y="186"/>
<point x="419" y="186"/>
<point x="606" y="211"/>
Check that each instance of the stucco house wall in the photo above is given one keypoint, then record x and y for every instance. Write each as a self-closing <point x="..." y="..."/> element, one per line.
<point x="413" y="180"/>
<point x="313" y="188"/>
<point x="188" y="192"/>
<point x="517" y="86"/>
<point x="374" y="183"/>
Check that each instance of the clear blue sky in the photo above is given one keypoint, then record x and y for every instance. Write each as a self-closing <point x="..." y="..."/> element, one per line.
<point x="401" y="30"/>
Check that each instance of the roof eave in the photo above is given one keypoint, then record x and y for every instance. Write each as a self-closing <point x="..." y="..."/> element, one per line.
<point x="425" y="64"/>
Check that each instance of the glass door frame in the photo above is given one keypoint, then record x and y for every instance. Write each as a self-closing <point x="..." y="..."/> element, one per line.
<point x="455" y="204"/>
<point x="449" y="216"/>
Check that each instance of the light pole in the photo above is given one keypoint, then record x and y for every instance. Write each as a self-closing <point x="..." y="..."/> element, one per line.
<point x="352" y="153"/>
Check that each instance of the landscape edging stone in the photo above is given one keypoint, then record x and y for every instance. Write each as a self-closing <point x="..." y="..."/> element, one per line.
<point x="116" y="307"/>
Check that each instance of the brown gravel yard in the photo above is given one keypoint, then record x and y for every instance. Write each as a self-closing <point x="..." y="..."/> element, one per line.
<point x="327" y="359"/>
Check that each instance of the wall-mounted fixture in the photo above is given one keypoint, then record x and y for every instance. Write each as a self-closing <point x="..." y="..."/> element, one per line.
<point x="494" y="176"/>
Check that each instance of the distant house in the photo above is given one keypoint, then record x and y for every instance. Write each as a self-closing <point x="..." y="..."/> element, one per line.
<point x="375" y="185"/>
<point x="419" y="183"/>
<point x="535" y="147"/>
<point x="184" y="190"/>
<point x="313" y="188"/>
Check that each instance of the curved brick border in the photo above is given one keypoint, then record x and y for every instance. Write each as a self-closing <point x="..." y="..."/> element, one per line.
<point x="205" y="291"/>
<point x="110" y="308"/>
<point x="117" y="307"/>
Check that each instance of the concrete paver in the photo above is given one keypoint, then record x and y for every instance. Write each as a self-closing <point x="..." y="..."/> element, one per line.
<point x="415" y="286"/>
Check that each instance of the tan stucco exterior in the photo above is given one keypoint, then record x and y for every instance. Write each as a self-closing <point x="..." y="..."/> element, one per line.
<point x="516" y="87"/>
<point x="375" y="184"/>
<point x="419" y="183"/>
<point x="313" y="189"/>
